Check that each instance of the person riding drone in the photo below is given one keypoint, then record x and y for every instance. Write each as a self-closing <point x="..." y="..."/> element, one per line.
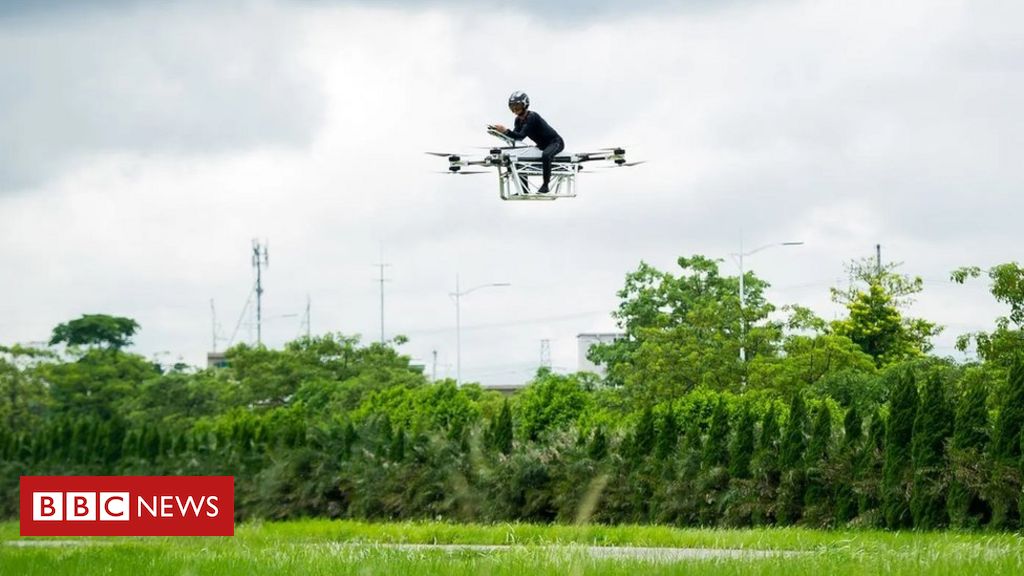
<point x="530" y="125"/>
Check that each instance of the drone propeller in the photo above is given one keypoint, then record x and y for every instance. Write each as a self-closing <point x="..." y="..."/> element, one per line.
<point x="459" y="171"/>
<point x="440" y="153"/>
<point x="618" y="165"/>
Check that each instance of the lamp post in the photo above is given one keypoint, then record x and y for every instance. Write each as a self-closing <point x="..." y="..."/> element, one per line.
<point x="738" y="256"/>
<point x="458" y="294"/>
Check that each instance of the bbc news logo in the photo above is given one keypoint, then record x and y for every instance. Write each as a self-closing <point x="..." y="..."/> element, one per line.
<point x="127" y="506"/>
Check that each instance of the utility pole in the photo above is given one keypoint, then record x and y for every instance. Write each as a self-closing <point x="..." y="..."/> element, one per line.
<point x="738" y="256"/>
<point x="260" y="258"/>
<point x="213" y="316"/>
<point x="878" y="260"/>
<point x="433" y="370"/>
<point x="306" y="320"/>
<point x="457" y="296"/>
<point x="382" y="280"/>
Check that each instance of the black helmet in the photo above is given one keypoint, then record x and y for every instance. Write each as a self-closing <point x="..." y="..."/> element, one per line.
<point x="518" y="97"/>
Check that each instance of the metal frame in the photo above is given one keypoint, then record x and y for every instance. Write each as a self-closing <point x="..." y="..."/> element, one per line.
<point x="515" y="173"/>
<point x="517" y="165"/>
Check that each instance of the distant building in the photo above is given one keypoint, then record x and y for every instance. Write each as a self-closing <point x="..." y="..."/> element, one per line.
<point x="216" y="360"/>
<point x="505" y="389"/>
<point x="585" y="341"/>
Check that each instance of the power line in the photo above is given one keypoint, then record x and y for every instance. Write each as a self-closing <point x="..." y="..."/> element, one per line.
<point x="541" y="320"/>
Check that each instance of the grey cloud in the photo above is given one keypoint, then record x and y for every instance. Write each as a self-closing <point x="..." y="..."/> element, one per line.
<point x="167" y="80"/>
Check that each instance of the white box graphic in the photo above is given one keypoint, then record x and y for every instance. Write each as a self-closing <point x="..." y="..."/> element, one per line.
<point x="47" y="506"/>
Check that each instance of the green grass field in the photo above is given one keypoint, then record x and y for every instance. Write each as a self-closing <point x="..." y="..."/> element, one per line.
<point x="325" y="547"/>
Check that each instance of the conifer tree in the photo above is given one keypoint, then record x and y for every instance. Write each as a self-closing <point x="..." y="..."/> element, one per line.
<point x="598" y="448"/>
<point x="765" y="468"/>
<point x="853" y="439"/>
<point x="794" y="441"/>
<point x="793" y="480"/>
<point x="853" y="428"/>
<point x="501" y="431"/>
<point x="668" y="436"/>
<point x="898" y="466"/>
<point x="348" y="440"/>
<point x="742" y="450"/>
<point x="396" y="452"/>
<point x="767" y="455"/>
<point x="932" y="428"/>
<point x="817" y="457"/>
<point x="1005" y="452"/>
<point x="869" y="469"/>
<point x="644" y="435"/>
<point x="716" y="447"/>
<point x="1010" y="422"/>
<point x="970" y="437"/>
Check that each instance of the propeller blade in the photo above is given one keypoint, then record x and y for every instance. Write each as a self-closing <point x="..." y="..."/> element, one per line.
<point x="440" y="153"/>
<point x="460" y="172"/>
<point x="617" y="166"/>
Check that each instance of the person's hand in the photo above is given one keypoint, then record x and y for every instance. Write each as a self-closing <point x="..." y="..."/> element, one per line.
<point x="499" y="128"/>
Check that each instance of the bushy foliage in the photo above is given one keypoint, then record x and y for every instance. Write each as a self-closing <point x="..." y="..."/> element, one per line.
<point x="682" y="432"/>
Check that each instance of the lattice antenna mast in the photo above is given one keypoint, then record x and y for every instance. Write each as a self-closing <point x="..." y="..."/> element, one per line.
<point x="545" y="353"/>
<point x="260" y="258"/>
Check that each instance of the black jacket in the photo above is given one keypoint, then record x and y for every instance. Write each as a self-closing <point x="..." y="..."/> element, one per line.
<point x="535" y="128"/>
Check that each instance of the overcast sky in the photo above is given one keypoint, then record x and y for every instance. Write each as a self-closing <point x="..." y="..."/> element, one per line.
<point x="144" y="145"/>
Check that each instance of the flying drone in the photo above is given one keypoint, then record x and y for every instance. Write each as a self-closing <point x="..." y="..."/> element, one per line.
<point x="518" y="165"/>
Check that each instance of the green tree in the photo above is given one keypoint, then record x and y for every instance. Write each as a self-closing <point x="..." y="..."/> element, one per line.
<point x="716" y="446"/>
<point x="933" y="425"/>
<point x="849" y="458"/>
<point x="813" y="356"/>
<point x="970" y="437"/>
<point x="875" y="323"/>
<point x="683" y="332"/>
<point x="765" y="468"/>
<point x="794" y="439"/>
<point x="793" y="480"/>
<point x="1005" y="451"/>
<point x="598" y="448"/>
<point x="552" y="401"/>
<point x="742" y="449"/>
<point x="24" y="398"/>
<point x="644" y="435"/>
<point x="1010" y="421"/>
<point x="818" y="456"/>
<point x="668" y="436"/>
<point x="101" y="383"/>
<point x="898" y="466"/>
<point x="501" y="430"/>
<point x="113" y="332"/>
<point x="869" y="472"/>
<point x="1007" y="286"/>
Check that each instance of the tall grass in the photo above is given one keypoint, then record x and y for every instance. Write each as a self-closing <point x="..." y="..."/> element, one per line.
<point x="325" y="547"/>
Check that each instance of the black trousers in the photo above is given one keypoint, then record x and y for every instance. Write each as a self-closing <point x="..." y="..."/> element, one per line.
<point x="549" y="152"/>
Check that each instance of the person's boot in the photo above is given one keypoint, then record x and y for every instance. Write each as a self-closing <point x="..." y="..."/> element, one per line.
<point x="543" y="188"/>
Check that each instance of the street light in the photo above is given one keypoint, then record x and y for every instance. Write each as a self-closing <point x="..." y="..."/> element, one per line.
<point x="458" y="294"/>
<point x="738" y="256"/>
